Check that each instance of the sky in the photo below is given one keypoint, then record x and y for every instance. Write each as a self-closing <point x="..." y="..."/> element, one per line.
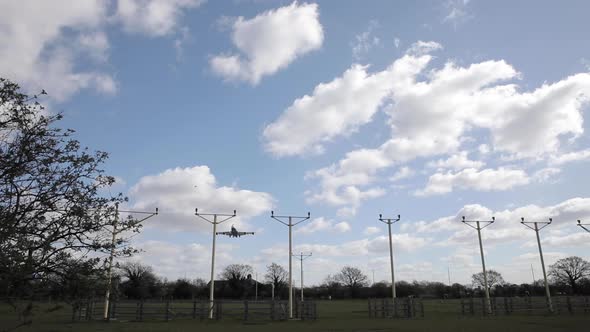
<point x="432" y="110"/>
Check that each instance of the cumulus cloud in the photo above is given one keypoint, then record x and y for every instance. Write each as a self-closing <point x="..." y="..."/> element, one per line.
<point x="322" y="224"/>
<point x="152" y="17"/>
<point x="507" y="227"/>
<point x="457" y="162"/>
<point x="178" y="191"/>
<point x="270" y="42"/>
<point x="35" y="52"/>
<point x="174" y="261"/>
<point x="402" y="173"/>
<point x="371" y="230"/>
<point x="484" y="180"/>
<point x="521" y="125"/>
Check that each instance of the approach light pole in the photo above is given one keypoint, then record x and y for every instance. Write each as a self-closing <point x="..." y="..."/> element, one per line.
<point x="302" y="256"/>
<point x="290" y="224"/>
<point x="583" y="226"/>
<point x="535" y="227"/>
<point x="478" y="227"/>
<point x="115" y="232"/>
<point x="389" y="222"/>
<point x="214" y="222"/>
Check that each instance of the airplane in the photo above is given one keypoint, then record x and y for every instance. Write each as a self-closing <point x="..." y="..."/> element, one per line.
<point x="234" y="232"/>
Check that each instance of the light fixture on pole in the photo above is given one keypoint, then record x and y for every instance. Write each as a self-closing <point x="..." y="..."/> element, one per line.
<point x="535" y="227"/>
<point x="584" y="226"/>
<point x="214" y="222"/>
<point x="290" y="224"/>
<point x="479" y="227"/>
<point x="302" y="256"/>
<point x="389" y="222"/>
<point x="115" y="232"/>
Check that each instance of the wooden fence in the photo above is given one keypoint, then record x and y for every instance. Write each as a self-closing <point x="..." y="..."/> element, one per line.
<point x="197" y="309"/>
<point x="526" y="305"/>
<point x="399" y="308"/>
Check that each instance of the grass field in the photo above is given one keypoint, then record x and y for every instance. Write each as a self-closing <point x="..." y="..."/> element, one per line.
<point x="333" y="316"/>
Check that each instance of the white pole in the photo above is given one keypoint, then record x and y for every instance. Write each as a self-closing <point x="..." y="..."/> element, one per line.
<point x="301" y="277"/>
<point x="272" y="285"/>
<point x="290" y="274"/>
<point x="391" y="262"/>
<point x="211" y="285"/>
<point x="548" y="294"/>
<point x="485" y="274"/>
<point x="110" y="268"/>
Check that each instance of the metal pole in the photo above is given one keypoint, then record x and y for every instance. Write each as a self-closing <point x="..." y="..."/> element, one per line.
<point x="485" y="274"/>
<point x="533" y="273"/>
<point x="211" y="285"/>
<point x="301" y="277"/>
<point x="536" y="228"/>
<point x="391" y="262"/>
<point x="272" y="286"/>
<point x="290" y="273"/>
<point x="548" y="294"/>
<point x="110" y="268"/>
<point x="390" y="221"/>
<point x="449" y="274"/>
<point x="290" y="224"/>
<point x="256" y="288"/>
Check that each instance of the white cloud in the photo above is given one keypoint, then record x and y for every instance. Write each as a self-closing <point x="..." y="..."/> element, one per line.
<point x="35" y="52"/>
<point x="371" y="230"/>
<point x="508" y="228"/>
<point x="522" y="125"/>
<point x="334" y="109"/>
<point x="152" y="17"/>
<point x="470" y="178"/>
<point x="174" y="261"/>
<point x="365" y="41"/>
<point x="569" y="157"/>
<point x="322" y="224"/>
<point x="546" y="175"/>
<point x="177" y="192"/>
<point x="402" y="173"/>
<point x="270" y="42"/>
<point x="457" y="162"/>
<point x="421" y="48"/>
<point x="457" y="12"/>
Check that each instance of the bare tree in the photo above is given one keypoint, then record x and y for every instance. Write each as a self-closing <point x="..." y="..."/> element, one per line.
<point x="140" y="281"/>
<point x="494" y="279"/>
<point x="569" y="270"/>
<point x="351" y="277"/>
<point x="276" y="275"/>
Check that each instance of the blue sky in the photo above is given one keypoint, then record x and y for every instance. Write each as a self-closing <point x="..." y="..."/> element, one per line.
<point x="428" y="109"/>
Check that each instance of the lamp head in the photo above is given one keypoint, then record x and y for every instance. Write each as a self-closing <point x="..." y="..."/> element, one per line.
<point x="463" y="218"/>
<point x="380" y="216"/>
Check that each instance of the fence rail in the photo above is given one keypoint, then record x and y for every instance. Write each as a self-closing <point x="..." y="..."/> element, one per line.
<point x="197" y="309"/>
<point x="526" y="305"/>
<point x="399" y="308"/>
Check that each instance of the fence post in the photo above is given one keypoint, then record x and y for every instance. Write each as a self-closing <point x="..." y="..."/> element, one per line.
<point x="167" y="314"/>
<point x="506" y="308"/>
<point x="245" y="310"/>
<point x="569" y="305"/>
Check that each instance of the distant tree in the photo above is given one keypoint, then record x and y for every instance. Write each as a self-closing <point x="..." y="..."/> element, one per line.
<point x="236" y="275"/>
<point x="569" y="270"/>
<point x="353" y="278"/>
<point x="494" y="279"/>
<point x="139" y="281"/>
<point x="277" y="276"/>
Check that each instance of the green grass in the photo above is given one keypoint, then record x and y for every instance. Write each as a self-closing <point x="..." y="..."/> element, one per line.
<point x="333" y="316"/>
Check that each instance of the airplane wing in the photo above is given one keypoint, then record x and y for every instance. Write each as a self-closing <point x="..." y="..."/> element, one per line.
<point x="245" y="233"/>
<point x="223" y="233"/>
